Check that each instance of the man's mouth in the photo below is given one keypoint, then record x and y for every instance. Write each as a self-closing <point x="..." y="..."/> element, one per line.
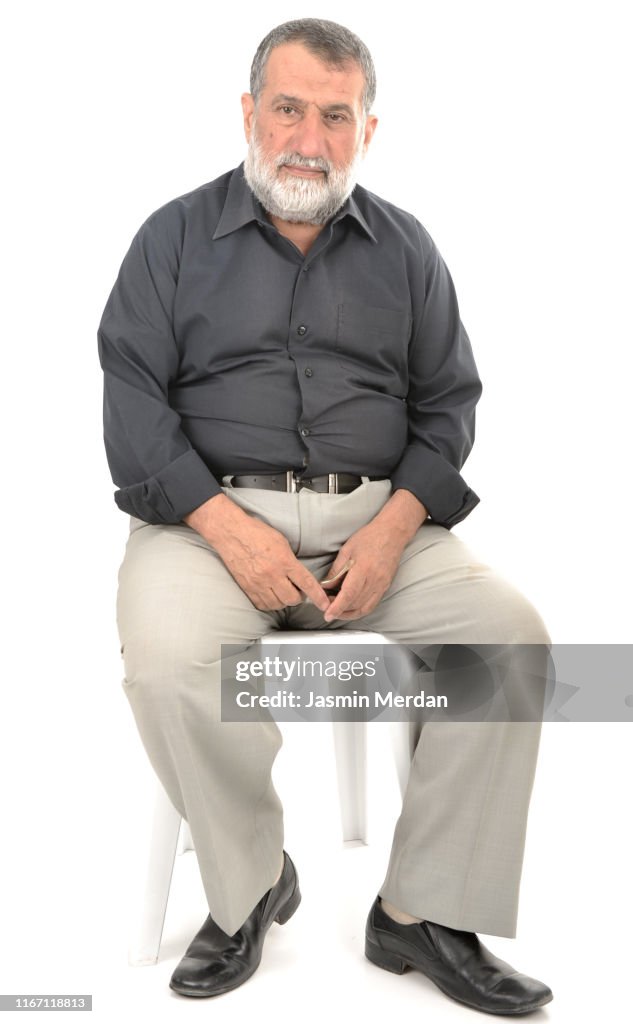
<point x="303" y="172"/>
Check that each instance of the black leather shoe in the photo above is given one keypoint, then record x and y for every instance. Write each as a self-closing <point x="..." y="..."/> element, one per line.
<point x="216" y="962"/>
<point x="458" y="963"/>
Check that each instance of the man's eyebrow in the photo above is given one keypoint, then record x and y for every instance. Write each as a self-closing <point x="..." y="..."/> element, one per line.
<point x="300" y="103"/>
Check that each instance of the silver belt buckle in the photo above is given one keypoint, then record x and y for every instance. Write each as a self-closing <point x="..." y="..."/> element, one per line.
<point x="332" y="483"/>
<point x="291" y="483"/>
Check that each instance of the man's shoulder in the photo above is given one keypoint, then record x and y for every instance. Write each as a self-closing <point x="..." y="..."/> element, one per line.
<point x="205" y="200"/>
<point x="387" y="220"/>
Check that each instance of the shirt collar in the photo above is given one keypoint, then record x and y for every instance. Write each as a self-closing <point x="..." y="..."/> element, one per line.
<point x="242" y="206"/>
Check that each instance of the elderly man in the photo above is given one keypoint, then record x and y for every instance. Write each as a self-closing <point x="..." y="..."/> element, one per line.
<point x="289" y="398"/>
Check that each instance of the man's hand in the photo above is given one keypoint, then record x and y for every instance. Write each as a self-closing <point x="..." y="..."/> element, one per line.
<point x="258" y="557"/>
<point x="374" y="552"/>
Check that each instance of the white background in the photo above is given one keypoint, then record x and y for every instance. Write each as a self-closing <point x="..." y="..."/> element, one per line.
<point x="505" y="128"/>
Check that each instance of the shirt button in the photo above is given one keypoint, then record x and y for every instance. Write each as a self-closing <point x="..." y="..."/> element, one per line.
<point x="301" y="330"/>
<point x="308" y="372"/>
<point x="304" y="431"/>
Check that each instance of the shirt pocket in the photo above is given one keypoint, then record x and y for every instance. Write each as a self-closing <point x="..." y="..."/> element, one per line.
<point x="372" y="343"/>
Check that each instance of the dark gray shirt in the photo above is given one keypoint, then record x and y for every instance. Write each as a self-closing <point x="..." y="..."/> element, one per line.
<point x="226" y="350"/>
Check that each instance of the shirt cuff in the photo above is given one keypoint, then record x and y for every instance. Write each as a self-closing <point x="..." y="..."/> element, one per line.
<point x="176" y="490"/>
<point x="436" y="483"/>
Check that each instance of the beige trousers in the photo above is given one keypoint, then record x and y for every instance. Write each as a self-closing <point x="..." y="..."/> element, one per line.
<point x="458" y="845"/>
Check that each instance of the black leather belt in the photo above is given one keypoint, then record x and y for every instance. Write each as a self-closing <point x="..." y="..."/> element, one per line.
<point x="330" y="483"/>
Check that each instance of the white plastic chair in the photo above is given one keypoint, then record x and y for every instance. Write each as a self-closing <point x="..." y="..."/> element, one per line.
<point x="350" y="749"/>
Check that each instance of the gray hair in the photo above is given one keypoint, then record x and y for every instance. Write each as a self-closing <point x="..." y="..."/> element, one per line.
<point x="330" y="42"/>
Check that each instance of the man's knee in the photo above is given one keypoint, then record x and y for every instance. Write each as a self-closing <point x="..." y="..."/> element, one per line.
<point x="514" y="619"/>
<point x="161" y="659"/>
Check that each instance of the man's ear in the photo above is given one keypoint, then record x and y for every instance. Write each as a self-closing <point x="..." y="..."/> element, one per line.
<point x="370" y="127"/>
<point x="248" y="110"/>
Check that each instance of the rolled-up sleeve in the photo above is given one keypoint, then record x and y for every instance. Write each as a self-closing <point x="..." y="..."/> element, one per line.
<point x="444" y="388"/>
<point x="159" y="474"/>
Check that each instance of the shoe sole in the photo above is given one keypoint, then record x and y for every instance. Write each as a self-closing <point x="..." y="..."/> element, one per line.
<point x="284" y="914"/>
<point x="396" y="965"/>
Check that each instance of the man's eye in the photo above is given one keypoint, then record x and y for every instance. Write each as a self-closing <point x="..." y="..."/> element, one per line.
<point x="339" y="116"/>
<point x="284" y="109"/>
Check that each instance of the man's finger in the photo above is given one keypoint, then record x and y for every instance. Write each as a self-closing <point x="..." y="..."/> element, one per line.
<point x="351" y="613"/>
<point x="365" y="609"/>
<point x="347" y="597"/>
<point x="306" y="582"/>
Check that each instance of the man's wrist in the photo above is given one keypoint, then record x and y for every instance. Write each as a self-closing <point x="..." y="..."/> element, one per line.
<point x="404" y="513"/>
<point x="212" y="518"/>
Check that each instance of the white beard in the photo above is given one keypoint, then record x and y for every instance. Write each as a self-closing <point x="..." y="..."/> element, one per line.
<point x="295" y="199"/>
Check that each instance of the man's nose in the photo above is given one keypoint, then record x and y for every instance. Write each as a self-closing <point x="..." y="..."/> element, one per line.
<point x="309" y="137"/>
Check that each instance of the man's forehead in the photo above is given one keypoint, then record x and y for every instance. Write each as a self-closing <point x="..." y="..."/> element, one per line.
<point x="292" y="70"/>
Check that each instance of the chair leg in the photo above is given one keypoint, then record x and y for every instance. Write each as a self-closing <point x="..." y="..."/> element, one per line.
<point x="186" y="839"/>
<point x="166" y="820"/>
<point x="350" y="750"/>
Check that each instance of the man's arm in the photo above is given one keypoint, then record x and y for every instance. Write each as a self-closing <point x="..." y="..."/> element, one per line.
<point x="160" y="475"/>
<point x="444" y="388"/>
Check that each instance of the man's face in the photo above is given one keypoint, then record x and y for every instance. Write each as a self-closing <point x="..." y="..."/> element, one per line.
<point x="307" y="137"/>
